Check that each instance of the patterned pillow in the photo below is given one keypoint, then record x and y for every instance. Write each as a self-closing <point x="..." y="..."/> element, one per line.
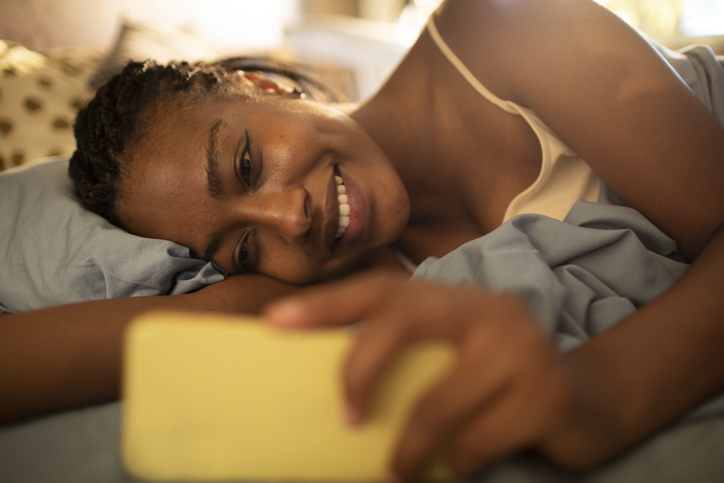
<point x="39" y="98"/>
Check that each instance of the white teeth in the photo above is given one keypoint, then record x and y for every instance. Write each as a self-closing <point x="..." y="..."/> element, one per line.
<point x="344" y="209"/>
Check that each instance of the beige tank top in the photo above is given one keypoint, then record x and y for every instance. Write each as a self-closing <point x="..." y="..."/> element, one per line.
<point x="564" y="177"/>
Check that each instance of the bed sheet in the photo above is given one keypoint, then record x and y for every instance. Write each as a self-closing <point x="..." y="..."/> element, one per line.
<point x="83" y="446"/>
<point x="580" y="276"/>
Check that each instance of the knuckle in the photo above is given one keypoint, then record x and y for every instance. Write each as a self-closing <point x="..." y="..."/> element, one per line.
<point x="368" y="359"/>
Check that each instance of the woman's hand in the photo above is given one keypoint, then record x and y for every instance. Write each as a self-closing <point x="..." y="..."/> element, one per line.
<point x="509" y="389"/>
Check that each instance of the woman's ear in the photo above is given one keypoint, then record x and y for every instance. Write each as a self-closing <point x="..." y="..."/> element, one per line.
<point x="270" y="86"/>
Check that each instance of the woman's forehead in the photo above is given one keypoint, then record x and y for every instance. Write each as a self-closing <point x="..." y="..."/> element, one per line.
<point x="165" y="154"/>
<point x="164" y="187"/>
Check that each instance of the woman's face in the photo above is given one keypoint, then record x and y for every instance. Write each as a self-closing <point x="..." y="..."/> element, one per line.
<point x="254" y="185"/>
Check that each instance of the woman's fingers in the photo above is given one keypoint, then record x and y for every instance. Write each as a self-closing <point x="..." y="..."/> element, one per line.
<point x="491" y="404"/>
<point x="501" y="429"/>
<point x="504" y="392"/>
<point x="443" y="410"/>
<point x="532" y="406"/>
<point x="414" y="311"/>
<point x="483" y="376"/>
<point x="367" y="360"/>
<point x="376" y="298"/>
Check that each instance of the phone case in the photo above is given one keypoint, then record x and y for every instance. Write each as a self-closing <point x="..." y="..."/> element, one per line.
<point x="227" y="398"/>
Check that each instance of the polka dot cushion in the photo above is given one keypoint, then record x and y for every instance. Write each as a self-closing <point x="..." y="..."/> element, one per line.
<point x="39" y="98"/>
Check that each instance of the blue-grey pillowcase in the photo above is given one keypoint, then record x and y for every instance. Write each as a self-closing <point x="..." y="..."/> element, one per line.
<point x="53" y="251"/>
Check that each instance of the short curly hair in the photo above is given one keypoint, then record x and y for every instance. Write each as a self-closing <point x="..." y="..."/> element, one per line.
<point x="110" y="125"/>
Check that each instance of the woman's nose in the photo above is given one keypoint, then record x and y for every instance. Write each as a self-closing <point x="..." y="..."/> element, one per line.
<point x="284" y="211"/>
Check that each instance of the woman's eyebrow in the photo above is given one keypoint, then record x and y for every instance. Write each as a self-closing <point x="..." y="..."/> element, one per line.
<point x="213" y="174"/>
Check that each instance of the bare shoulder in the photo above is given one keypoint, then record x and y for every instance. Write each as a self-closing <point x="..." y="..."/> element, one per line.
<point x="509" y="44"/>
<point x="603" y="89"/>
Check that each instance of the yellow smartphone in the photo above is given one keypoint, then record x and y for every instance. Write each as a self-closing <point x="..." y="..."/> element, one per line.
<point x="213" y="398"/>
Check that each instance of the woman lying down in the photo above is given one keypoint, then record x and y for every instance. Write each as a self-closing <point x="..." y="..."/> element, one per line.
<point x="498" y="110"/>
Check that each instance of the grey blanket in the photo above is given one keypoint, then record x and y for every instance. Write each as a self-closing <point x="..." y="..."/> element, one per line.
<point x="579" y="276"/>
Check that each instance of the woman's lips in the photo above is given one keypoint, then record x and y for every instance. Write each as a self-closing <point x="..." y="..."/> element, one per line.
<point x="358" y="215"/>
<point x="359" y="212"/>
<point x="343" y="205"/>
<point x="331" y="212"/>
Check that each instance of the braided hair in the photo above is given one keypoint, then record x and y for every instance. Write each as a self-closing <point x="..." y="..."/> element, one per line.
<point x="108" y="128"/>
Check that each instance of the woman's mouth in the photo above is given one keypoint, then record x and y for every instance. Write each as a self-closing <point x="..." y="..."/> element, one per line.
<point x="344" y="209"/>
<point x="353" y="210"/>
<point x="346" y="212"/>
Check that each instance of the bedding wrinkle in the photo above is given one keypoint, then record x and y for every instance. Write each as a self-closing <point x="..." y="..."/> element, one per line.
<point x="578" y="281"/>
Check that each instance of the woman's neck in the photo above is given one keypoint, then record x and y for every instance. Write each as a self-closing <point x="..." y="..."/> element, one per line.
<point x="399" y="118"/>
<point x="461" y="158"/>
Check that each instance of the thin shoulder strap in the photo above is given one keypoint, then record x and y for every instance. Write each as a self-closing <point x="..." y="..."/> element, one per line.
<point x="467" y="75"/>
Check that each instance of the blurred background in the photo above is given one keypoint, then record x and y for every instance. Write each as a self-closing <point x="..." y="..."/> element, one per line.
<point x="54" y="54"/>
<point x="364" y="39"/>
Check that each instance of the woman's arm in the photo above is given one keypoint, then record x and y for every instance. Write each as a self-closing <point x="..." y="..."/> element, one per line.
<point x="63" y="357"/>
<point x="619" y="105"/>
<point x="650" y="368"/>
<point x="609" y="95"/>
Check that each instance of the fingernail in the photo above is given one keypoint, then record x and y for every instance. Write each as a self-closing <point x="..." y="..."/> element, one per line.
<point x="352" y="415"/>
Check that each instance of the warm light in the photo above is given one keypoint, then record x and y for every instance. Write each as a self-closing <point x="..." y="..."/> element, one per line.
<point x="248" y="23"/>
<point x="427" y="3"/>
<point x="412" y="19"/>
<point x="671" y="21"/>
<point x="703" y="17"/>
<point x="227" y="25"/>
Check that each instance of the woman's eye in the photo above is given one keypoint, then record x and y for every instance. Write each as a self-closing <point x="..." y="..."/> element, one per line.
<point x="245" y="169"/>
<point x="242" y="256"/>
<point x="245" y="164"/>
